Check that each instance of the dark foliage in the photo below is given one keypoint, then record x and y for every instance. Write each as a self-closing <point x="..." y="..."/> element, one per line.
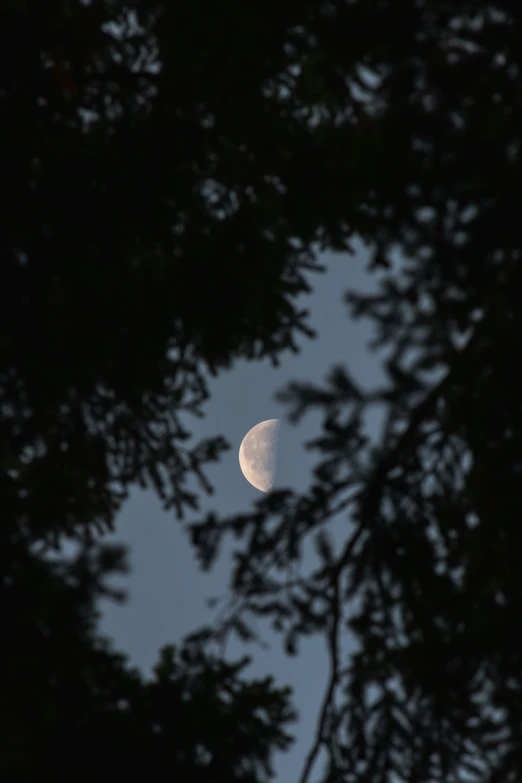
<point x="73" y="709"/>
<point x="154" y="228"/>
<point x="167" y="170"/>
<point x="427" y="581"/>
<point x="148" y="239"/>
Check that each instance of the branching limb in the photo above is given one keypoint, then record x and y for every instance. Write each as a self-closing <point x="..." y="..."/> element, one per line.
<point x="333" y="651"/>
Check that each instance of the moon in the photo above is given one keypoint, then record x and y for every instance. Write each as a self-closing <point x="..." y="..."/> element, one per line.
<point x="258" y="454"/>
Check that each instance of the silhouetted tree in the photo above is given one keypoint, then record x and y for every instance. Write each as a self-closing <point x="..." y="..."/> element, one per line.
<point x="167" y="170"/>
<point x="72" y="708"/>
<point x="159" y="172"/>
<point x="427" y="580"/>
<point x="146" y="242"/>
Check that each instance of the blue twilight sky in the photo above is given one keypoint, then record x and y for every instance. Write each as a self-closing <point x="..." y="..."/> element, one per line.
<point x="167" y="593"/>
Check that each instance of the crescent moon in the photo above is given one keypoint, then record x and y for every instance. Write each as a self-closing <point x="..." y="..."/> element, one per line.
<point x="258" y="454"/>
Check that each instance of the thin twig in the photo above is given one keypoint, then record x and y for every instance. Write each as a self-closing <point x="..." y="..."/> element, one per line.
<point x="333" y="643"/>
